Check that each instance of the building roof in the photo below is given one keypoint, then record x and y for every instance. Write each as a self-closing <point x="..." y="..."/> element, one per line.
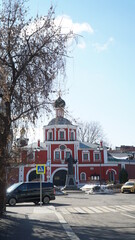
<point x="82" y="145"/>
<point x="59" y="121"/>
<point x="87" y="145"/>
<point x="120" y="155"/>
<point x="35" y="146"/>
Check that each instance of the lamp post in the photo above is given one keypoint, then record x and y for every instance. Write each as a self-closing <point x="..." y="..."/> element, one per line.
<point x="130" y="158"/>
<point x="99" y="148"/>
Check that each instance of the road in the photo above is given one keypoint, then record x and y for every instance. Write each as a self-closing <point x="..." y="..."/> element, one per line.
<point x="99" y="216"/>
<point x="74" y="216"/>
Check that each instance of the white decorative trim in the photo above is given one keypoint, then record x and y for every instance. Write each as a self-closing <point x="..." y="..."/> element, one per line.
<point x="96" y="160"/>
<point x="21" y="174"/>
<point x="31" y="170"/>
<point x="72" y="131"/>
<point x="56" y="150"/>
<point x="105" y="156"/>
<point x="55" y="134"/>
<point x="58" y="165"/>
<point x="97" y="165"/>
<point x="61" y="130"/>
<point x="67" y="150"/>
<point x="85" y="152"/>
<point x="48" y="132"/>
<point x="65" y="142"/>
<point x="59" y="126"/>
<point x="111" y="169"/>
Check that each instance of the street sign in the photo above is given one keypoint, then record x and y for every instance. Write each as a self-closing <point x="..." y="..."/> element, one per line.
<point x="40" y="169"/>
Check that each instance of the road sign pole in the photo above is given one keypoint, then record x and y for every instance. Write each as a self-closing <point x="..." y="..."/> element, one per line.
<point x="40" y="190"/>
<point x="40" y="169"/>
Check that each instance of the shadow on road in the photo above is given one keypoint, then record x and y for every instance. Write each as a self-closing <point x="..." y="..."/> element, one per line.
<point x="20" y="228"/>
<point x="12" y="227"/>
<point x="104" y="233"/>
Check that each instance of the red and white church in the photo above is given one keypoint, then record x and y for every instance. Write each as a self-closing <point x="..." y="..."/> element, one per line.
<point x="60" y="140"/>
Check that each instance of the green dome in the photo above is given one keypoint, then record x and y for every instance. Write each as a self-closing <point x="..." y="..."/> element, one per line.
<point x="59" y="103"/>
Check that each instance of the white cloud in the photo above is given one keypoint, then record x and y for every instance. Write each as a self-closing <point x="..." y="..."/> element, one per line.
<point x="67" y="25"/>
<point x="77" y="28"/>
<point x="103" y="47"/>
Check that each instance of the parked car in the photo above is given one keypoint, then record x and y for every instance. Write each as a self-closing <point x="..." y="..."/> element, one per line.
<point x="30" y="192"/>
<point x="128" y="187"/>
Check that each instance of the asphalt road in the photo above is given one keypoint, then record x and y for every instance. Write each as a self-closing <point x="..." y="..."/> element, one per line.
<point x="73" y="216"/>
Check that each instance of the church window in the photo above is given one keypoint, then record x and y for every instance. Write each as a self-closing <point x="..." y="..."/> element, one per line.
<point x="49" y="136"/>
<point x="97" y="156"/>
<point x="83" y="176"/>
<point x="61" y="135"/>
<point x="72" y="136"/>
<point x="68" y="153"/>
<point x="95" y="177"/>
<point x="57" y="155"/>
<point x="85" y="156"/>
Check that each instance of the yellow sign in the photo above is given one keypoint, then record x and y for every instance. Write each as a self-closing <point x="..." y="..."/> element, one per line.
<point x="40" y="169"/>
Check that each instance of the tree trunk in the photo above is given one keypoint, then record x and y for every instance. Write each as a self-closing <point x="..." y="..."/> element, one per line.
<point x="3" y="164"/>
<point x="2" y="190"/>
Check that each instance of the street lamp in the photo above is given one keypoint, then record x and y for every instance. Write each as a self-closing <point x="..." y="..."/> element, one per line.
<point x="99" y="148"/>
<point x="130" y="158"/>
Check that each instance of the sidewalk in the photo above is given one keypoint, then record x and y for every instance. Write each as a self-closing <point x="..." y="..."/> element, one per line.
<point x="31" y="223"/>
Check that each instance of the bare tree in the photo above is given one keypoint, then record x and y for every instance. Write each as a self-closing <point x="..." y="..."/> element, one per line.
<point x="90" y="132"/>
<point x="32" y="53"/>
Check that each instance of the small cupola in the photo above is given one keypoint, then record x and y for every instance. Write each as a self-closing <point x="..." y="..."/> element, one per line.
<point x="59" y="106"/>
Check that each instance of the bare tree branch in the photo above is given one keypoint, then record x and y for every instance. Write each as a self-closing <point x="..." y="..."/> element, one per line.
<point x="32" y="54"/>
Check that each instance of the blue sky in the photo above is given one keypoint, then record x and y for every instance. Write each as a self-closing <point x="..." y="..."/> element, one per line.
<point x="100" y="76"/>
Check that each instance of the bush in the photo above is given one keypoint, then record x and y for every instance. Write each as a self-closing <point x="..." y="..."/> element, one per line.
<point x="123" y="175"/>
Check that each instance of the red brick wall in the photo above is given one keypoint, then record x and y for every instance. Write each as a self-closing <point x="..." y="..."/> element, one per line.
<point x="12" y="176"/>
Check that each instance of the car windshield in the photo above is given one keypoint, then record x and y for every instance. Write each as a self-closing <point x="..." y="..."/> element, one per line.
<point x="129" y="183"/>
<point x="12" y="187"/>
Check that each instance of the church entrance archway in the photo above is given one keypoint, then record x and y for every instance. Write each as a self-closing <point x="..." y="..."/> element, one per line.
<point x="33" y="176"/>
<point x="111" y="176"/>
<point x="59" y="178"/>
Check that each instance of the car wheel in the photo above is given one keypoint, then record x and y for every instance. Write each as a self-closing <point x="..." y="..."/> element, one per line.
<point x="12" y="201"/>
<point x="46" y="200"/>
<point x="36" y="202"/>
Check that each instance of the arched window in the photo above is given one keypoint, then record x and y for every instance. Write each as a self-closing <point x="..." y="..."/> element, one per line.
<point x="95" y="177"/>
<point x="85" y="156"/>
<point x="111" y="176"/>
<point x="67" y="153"/>
<point x="83" y="176"/>
<point x="50" y="135"/>
<point x="97" y="156"/>
<point x="72" y="135"/>
<point x="57" y="154"/>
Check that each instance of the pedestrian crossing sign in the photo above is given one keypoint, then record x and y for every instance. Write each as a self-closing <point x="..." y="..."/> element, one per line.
<point x="40" y="169"/>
